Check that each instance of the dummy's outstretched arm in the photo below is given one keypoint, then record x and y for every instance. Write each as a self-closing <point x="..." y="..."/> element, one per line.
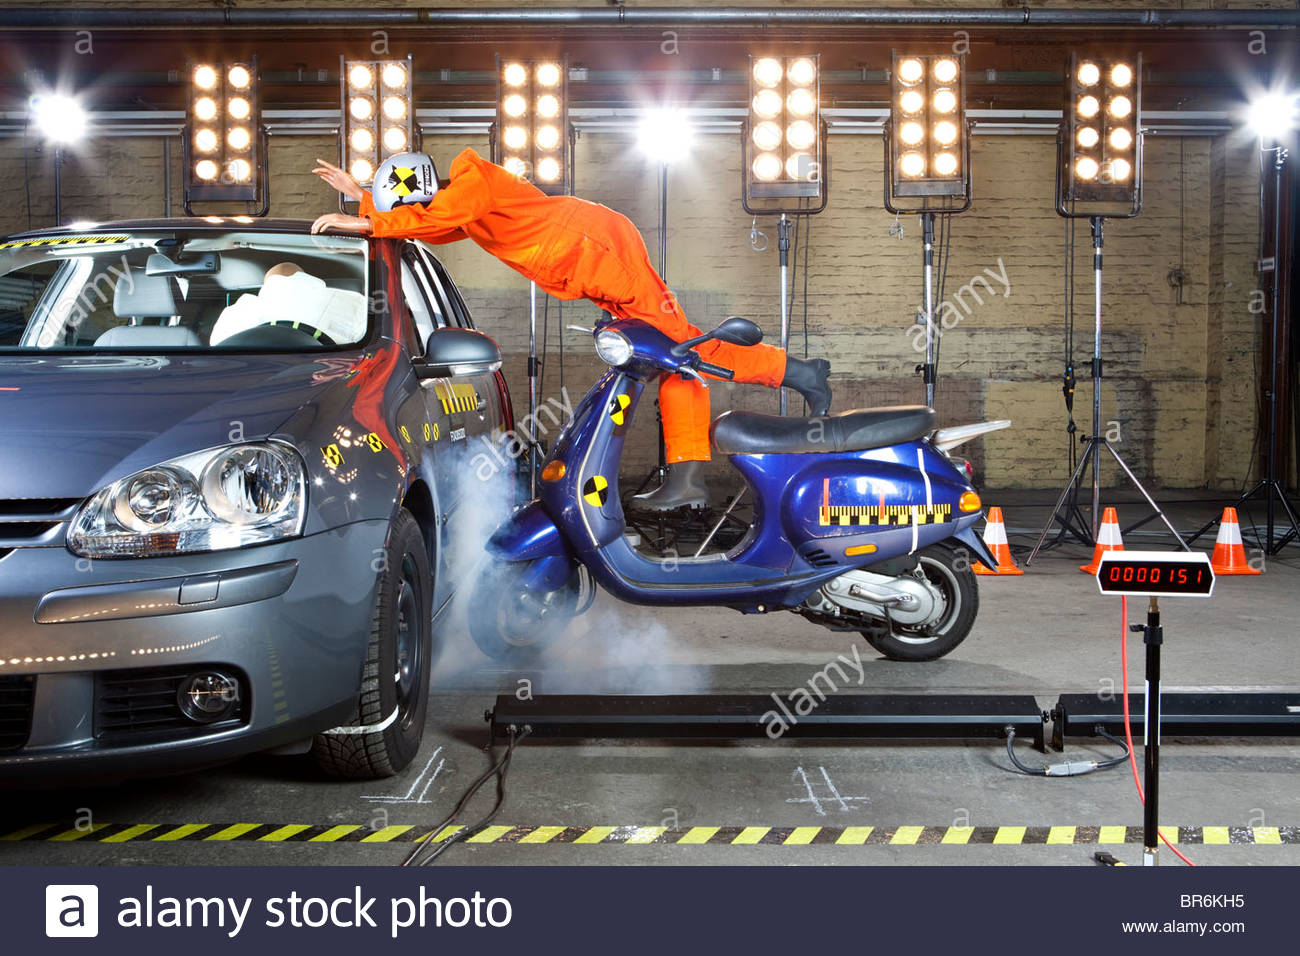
<point x="464" y="199"/>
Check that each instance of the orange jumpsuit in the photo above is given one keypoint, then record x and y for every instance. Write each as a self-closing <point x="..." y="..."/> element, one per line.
<point x="574" y="249"/>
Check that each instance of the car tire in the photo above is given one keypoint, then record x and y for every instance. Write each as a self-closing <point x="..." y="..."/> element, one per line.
<point x="399" y="658"/>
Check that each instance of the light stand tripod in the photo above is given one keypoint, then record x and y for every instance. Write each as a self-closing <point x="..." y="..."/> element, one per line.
<point x="1066" y="512"/>
<point x="927" y="243"/>
<point x="783" y="251"/>
<point x="1270" y="487"/>
<point x="768" y="199"/>
<point x="928" y="209"/>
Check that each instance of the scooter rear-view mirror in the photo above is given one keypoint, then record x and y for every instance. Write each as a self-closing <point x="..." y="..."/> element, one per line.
<point x="737" y="331"/>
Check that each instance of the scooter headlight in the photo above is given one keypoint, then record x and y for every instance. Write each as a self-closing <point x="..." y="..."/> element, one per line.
<point x="213" y="500"/>
<point x="613" y="347"/>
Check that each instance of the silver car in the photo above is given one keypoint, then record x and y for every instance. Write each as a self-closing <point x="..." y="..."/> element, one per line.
<point x="228" y="482"/>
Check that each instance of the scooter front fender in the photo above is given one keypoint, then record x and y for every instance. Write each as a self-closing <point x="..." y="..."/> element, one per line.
<point x="529" y="535"/>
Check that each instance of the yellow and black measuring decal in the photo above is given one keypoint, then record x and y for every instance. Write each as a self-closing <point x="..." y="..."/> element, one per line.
<point x="375" y="442"/>
<point x="406" y="436"/>
<point x="902" y="515"/>
<point x="618" y="408"/>
<point x="595" y="491"/>
<point x="63" y="241"/>
<point x="333" y="457"/>
<point x="640" y="835"/>
<point x="456" y="397"/>
<point x="879" y="514"/>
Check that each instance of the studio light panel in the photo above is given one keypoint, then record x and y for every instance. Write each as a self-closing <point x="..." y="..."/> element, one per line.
<point x="1101" y="154"/>
<point x="783" y="143"/>
<point x="223" y="132"/>
<point x="928" y="131"/>
<point x="532" y="122"/>
<point x="378" y="114"/>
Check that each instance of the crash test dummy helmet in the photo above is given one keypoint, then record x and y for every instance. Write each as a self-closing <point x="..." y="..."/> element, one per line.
<point x="404" y="179"/>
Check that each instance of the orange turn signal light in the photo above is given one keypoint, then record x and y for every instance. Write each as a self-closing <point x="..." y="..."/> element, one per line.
<point x="969" y="501"/>
<point x="554" y="471"/>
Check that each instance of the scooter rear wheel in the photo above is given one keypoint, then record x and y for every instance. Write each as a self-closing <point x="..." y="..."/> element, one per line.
<point x="949" y="571"/>
<point x="508" y="622"/>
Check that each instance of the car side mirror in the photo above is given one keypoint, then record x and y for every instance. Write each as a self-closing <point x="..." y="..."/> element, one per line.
<point x="737" y="331"/>
<point x="452" y="352"/>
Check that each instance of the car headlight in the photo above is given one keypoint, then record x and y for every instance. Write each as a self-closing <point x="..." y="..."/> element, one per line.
<point x="613" y="347"/>
<point x="212" y="500"/>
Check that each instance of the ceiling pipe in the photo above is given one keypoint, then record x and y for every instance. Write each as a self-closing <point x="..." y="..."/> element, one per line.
<point x="313" y="18"/>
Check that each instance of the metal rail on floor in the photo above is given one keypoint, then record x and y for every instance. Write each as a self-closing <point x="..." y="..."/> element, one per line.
<point x="1204" y="714"/>
<point x="770" y="716"/>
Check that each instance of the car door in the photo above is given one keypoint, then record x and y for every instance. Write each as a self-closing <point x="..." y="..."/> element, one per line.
<point x="474" y="473"/>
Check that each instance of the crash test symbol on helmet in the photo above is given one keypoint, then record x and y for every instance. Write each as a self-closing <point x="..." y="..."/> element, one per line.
<point x="404" y="179"/>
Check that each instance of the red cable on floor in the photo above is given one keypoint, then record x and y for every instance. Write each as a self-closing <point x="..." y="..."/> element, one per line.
<point x="1128" y="719"/>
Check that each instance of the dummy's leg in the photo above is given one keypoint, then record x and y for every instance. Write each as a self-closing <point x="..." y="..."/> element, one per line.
<point x="765" y="365"/>
<point x="684" y="405"/>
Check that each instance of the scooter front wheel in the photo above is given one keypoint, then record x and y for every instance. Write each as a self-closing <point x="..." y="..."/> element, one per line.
<point x="510" y="622"/>
<point x="948" y="572"/>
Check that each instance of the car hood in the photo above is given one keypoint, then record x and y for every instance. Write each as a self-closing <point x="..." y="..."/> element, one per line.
<point x="70" y="424"/>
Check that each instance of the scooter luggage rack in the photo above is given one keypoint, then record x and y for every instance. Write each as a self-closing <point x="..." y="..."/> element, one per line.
<point x="744" y="716"/>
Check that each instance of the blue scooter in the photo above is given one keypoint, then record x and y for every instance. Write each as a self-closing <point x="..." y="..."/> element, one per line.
<point x="861" y="520"/>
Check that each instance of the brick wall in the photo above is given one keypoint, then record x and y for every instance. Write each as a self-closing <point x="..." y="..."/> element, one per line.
<point x="1179" y="385"/>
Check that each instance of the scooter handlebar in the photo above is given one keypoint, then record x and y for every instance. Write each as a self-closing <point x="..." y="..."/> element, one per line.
<point x="717" y="371"/>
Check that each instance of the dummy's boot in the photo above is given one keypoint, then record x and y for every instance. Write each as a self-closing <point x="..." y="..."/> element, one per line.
<point x="683" y="488"/>
<point x="809" y="377"/>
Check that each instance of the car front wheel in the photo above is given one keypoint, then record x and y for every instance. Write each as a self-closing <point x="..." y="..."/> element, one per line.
<point x="385" y="732"/>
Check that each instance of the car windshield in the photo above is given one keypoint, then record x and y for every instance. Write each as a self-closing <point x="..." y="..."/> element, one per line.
<point x="172" y="289"/>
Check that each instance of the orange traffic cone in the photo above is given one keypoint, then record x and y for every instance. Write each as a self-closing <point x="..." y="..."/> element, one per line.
<point x="995" y="536"/>
<point x="1229" y="554"/>
<point x="1108" y="539"/>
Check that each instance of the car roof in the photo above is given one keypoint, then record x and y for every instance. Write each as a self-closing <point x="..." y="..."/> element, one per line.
<point x="196" y="223"/>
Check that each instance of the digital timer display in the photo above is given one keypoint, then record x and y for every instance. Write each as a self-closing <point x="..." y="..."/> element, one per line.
<point x="1156" y="573"/>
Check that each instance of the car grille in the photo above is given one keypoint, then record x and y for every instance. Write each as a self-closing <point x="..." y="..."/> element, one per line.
<point x="31" y="522"/>
<point x="141" y="702"/>
<point x="17" y="694"/>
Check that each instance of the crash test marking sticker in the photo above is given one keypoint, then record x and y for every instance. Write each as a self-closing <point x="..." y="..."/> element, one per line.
<point x="617" y="408"/>
<point x="881" y="514"/>
<point x="375" y="442"/>
<point x="333" y="457"/>
<point x="595" y="491"/>
<point x="64" y="241"/>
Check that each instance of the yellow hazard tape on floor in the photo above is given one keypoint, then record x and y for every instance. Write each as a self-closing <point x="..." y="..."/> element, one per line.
<point x="632" y="835"/>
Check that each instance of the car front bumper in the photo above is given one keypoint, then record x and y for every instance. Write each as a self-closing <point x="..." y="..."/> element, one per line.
<point x="290" y="619"/>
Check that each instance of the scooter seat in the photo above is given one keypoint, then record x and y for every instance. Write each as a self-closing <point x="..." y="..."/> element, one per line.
<point x="752" y="433"/>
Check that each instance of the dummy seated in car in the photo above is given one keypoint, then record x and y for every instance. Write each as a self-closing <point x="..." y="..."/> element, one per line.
<point x="290" y="295"/>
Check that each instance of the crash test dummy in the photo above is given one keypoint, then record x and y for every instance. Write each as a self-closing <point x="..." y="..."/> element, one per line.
<point x="572" y="249"/>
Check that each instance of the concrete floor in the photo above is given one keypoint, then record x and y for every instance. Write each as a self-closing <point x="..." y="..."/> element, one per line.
<point x="1045" y="633"/>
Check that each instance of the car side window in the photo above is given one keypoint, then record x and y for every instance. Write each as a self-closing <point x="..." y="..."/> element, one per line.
<point x="450" y="294"/>
<point x="426" y="311"/>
